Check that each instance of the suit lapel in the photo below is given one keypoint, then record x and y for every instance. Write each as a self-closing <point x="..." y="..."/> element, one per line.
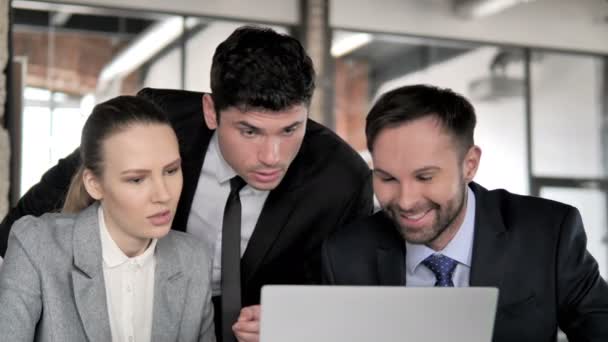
<point x="170" y="285"/>
<point x="390" y="254"/>
<point x="192" y="165"/>
<point x="87" y="277"/>
<point x="487" y="266"/>
<point x="277" y="208"/>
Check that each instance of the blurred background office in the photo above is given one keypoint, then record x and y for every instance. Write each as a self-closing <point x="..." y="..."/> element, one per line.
<point x="536" y="71"/>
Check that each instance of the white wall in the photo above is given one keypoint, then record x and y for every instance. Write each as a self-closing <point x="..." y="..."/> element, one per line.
<point x="165" y="72"/>
<point x="561" y="24"/>
<point x="199" y="54"/>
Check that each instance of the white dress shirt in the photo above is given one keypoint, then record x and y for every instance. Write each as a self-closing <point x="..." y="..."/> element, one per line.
<point x="129" y="288"/>
<point x="207" y="213"/>
<point x="459" y="249"/>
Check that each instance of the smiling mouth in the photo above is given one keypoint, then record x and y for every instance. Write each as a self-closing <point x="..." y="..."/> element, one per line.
<point x="416" y="217"/>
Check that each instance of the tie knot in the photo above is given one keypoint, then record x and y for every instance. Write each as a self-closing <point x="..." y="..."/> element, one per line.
<point x="236" y="184"/>
<point x="443" y="267"/>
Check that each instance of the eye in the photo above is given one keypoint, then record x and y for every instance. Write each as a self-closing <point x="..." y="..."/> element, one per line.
<point x="172" y="170"/>
<point x="135" y="180"/>
<point x="385" y="178"/>
<point x="248" y="133"/>
<point x="290" y="130"/>
<point x="424" y="178"/>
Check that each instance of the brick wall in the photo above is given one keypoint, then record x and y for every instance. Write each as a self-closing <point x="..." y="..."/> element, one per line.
<point x="77" y="60"/>
<point x="4" y="143"/>
<point x="352" y="101"/>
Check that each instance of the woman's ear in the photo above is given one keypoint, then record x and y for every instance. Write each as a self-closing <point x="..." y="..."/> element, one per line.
<point x="92" y="184"/>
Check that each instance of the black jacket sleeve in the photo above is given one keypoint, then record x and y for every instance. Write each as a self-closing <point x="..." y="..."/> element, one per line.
<point x="582" y="293"/>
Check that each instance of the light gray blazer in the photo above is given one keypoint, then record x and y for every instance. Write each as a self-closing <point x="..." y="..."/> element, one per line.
<point x="52" y="286"/>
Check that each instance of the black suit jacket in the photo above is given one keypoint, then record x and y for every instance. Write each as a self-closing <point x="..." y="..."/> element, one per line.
<point x="326" y="186"/>
<point x="532" y="249"/>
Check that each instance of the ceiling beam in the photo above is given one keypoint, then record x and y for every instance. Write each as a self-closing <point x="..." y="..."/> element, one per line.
<point x="472" y="9"/>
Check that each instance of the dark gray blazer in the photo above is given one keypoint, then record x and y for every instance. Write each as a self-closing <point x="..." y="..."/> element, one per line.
<point x="52" y="286"/>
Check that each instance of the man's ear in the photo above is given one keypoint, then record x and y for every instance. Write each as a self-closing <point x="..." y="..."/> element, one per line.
<point x="470" y="163"/>
<point x="92" y="184"/>
<point x="209" y="112"/>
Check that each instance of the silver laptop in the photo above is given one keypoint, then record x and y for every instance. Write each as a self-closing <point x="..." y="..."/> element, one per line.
<point x="374" y="313"/>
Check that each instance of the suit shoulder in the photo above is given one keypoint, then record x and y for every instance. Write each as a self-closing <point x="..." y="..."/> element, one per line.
<point x="324" y="148"/>
<point x="38" y="232"/>
<point x="50" y="224"/>
<point x="526" y="203"/>
<point x="535" y="213"/>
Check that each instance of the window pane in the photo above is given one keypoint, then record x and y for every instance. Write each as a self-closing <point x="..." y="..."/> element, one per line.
<point x="35" y="153"/>
<point x="566" y="115"/>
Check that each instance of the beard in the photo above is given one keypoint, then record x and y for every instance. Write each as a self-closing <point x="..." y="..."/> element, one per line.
<point x="444" y="217"/>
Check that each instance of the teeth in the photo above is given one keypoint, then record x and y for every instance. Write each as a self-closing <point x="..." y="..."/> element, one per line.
<point x="415" y="217"/>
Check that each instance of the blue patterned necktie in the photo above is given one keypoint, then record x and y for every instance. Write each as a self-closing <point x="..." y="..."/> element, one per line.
<point x="443" y="267"/>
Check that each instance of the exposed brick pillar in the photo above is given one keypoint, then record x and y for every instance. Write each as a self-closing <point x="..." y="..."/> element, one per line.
<point x="4" y="141"/>
<point x="316" y="37"/>
<point x="352" y="101"/>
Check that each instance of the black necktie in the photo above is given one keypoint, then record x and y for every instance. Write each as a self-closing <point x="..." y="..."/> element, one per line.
<point x="231" y="260"/>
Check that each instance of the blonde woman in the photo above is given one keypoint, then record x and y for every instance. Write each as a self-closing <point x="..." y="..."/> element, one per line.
<point x="109" y="268"/>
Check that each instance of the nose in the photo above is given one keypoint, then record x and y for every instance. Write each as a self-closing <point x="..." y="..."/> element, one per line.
<point x="160" y="192"/>
<point x="408" y="196"/>
<point x="269" y="151"/>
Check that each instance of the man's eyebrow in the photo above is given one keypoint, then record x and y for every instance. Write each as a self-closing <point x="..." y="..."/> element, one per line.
<point x="294" y="125"/>
<point x="427" y="169"/>
<point x="247" y="125"/>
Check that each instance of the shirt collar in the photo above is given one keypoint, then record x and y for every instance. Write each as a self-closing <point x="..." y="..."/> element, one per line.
<point x="112" y="255"/>
<point x="459" y="249"/>
<point x="223" y="171"/>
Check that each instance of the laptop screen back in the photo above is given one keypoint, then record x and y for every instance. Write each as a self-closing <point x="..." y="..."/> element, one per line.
<point x="374" y="313"/>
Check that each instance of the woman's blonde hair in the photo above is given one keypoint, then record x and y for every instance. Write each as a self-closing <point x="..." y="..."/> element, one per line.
<point x="77" y="197"/>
